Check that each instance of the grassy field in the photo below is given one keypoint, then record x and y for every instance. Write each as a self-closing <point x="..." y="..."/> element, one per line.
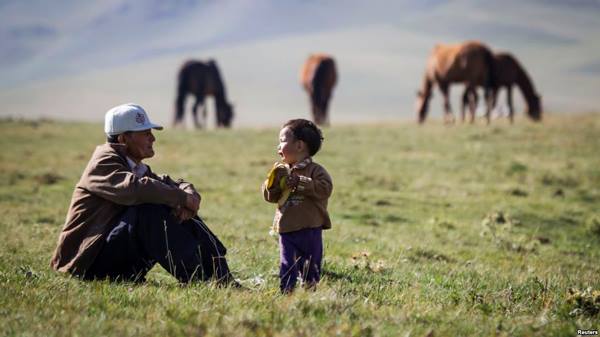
<point x="451" y="231"/>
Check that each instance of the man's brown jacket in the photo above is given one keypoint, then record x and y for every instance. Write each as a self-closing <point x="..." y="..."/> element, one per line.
<point x="106" y="188"/>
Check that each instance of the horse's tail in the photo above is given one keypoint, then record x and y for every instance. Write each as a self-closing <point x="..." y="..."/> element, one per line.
<point x="182" y="88"/>
<point x="183" y="79"/>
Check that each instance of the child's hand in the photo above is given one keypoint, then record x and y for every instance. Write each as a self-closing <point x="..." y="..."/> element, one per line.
<point x="292" y="181"/>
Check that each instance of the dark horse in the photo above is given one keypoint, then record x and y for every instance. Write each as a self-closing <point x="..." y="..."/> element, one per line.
<point x="202" y="79"/>
<point x="318" y="76"/>
<point x="470" y="63"/>
<point x="508" y="72"/>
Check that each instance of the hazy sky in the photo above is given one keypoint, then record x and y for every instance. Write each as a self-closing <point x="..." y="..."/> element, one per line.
<point x="74" y="59"/>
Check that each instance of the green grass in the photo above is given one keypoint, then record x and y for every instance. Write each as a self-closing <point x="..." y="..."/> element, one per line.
<point x="463" y="230"/>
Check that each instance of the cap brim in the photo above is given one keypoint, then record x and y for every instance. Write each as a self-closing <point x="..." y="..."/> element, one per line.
<point x="148" y="127"/>
<point x="156" y="127"/>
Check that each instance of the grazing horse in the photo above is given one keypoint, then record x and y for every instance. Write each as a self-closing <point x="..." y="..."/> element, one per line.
<point x="470" y="63"/>
<point x="508" y="72"/>
<point x="318" y="76"/>
<point x="202" y="79"/>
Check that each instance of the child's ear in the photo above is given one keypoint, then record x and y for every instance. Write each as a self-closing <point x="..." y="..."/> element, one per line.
<point x="300" y="145"/>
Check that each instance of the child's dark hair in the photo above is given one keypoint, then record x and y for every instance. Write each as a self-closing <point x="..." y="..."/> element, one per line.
<point x="307" y="132"/>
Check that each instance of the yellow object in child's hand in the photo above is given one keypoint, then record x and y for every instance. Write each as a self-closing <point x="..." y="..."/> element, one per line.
<point x="279" y="173"/>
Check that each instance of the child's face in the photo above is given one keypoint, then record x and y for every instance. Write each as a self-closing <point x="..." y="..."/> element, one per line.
<point x="290" y="149"/>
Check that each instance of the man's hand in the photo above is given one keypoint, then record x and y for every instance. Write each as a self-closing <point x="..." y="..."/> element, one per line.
<point x="189" y="210"/>
<point x="183" y="214"/>
<point x="192" y="202"/>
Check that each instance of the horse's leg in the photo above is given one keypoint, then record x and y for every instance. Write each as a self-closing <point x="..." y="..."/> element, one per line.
<point x="509" y="101"/>
<point x="219" y="113"/>
<point x="179" y="106"/>
<point x="494" y="99"/>
<point x="473" y="101"/>
<point x="448" y="116"/>
<point x="199" y="101"/>
<point x="204" y="113"/>
<point x="489" y="94"/>
<point x="463" y="106"/>
<point x="219" y="119"/>
<point x="195" y="113"/>
<point x="469" y="99"/>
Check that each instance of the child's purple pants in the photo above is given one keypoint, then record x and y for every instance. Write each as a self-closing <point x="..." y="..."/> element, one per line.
<point x="300" y="252"/>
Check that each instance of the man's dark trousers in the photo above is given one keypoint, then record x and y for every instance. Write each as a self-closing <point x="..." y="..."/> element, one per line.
<point x="150" y="233"/>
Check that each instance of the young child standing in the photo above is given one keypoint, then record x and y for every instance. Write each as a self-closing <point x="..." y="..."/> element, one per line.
<point x="301" y="188"/>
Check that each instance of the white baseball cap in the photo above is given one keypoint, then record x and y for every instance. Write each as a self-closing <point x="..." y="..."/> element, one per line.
<point x="127" y="117"/>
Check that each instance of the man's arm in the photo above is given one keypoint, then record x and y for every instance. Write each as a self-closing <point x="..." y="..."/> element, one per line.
<point x="110" y="178"/>
<point x="179" y="183"/>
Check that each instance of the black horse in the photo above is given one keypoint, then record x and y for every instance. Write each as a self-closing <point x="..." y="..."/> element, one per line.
<point x="202" y="79"/>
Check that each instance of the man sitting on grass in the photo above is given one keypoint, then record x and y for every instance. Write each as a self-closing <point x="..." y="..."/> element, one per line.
<point x="124" y="218"/>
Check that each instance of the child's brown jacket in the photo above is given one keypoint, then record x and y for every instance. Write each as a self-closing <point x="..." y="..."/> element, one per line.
<point x="306" y="207"/>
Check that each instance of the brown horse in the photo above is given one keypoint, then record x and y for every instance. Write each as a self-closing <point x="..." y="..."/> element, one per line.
<point x="202" y="79"/>
<point x="318" y="76"/>
<point x="508" y="72"/>
<point x="469" y="63"/>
